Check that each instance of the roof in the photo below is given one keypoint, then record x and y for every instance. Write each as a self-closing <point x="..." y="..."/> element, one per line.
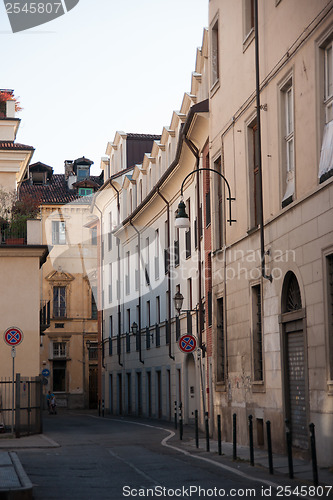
<point x="15" y="145"/>
<point x="54" y="192"/>
<point x="139" y="137"/>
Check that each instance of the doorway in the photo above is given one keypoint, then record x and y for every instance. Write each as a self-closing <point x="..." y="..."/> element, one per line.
<point x="295" y="366"/>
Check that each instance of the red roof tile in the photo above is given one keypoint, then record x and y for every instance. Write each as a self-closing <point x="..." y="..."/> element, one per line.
<point x="15" y="145"/>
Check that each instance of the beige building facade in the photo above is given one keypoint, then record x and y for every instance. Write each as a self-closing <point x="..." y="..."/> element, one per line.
<point x="68" y="348"/>
<point x="276" y="334"/>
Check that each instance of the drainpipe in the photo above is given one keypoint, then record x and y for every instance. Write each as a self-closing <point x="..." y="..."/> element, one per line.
<point x="261" y="207"/>
<point x="139" y="280"/>
<point x="169" y="275"/>
<point x="195" y="152"/>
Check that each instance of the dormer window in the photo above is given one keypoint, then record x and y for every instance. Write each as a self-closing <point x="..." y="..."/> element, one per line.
<point x="85" y="191"/>
<point x="82" y="173"/>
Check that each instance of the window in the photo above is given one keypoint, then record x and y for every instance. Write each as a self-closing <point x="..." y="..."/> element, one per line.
<point x="110" y="232"/>
<point x="94" y="236"/>
<point x="59" y="302"/>
<point x="137" y="267"/>
<point x="148" y="313"/>
<point x="157" y="254"/>
<point x="188" y="232"/>
<point x="58" y="233"/>
<point x="82" y="173"/>
<point x="326" y="153"/>
<point x="257" y="333"/>
<point x="329" y="267"/>
<point x="219" y="192"/>
<point x="220" y="362"/>
<point x="215" y="54"/>
<point x="253" y="166"/>
<point x="93" y="302"/>
<point x="59" y="349"/>
<point x="127" y="277"/>
<point x="189" y="293"/>
<point x="166" y="248"/>
<point x="158" y="310"/>
<point x="110" y="334"/>
<point x="248" y="22"/>
<point x="93" y="351"/>
<point x="288" y="162"/>
<point x="85" y="191"/>
<point x="147" y="274"/>
<point x="176" y="247"/>
<point x="207" y="196"/>
<point x="59" y="376"/>
<point x="110" y="283"/>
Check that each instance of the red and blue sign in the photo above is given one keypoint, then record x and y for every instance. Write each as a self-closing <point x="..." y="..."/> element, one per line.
<point x="13" y="336"/>
<point x="187" y="343"/>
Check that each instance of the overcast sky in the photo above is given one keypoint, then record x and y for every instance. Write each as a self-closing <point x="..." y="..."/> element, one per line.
<point x="104" y="66"/>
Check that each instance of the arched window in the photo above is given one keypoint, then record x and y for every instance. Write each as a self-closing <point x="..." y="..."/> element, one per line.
<point x="292" y="300"/>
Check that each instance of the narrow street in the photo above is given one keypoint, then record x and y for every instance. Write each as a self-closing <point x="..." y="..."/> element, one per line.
<point x="115" y="458"/>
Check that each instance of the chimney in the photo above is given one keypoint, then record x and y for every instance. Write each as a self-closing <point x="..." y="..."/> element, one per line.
<point x="68" y="169"/>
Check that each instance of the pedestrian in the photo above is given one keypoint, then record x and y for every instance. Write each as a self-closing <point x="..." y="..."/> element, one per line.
<point x="49" y="397"/>
<point x="53" y="405"/>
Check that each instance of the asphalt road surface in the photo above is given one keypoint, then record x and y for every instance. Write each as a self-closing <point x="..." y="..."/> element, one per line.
<point x="120" y="458"/>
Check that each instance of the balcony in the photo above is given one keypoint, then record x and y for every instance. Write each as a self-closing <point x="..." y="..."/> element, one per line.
<point x="27" y="233"/>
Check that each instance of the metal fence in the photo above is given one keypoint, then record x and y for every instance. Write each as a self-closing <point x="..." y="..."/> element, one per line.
<point x="21" y="405"/>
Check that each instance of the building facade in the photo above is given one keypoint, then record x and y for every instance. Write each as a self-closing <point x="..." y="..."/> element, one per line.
<point x="272" y="334"/>
<point x="21" y="257"/>
<point x="68" y="347"/>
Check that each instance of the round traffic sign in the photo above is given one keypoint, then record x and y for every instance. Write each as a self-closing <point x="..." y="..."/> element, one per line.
<point x="187" y="343"/>
<point x="46" y="372"/>
<point x="13" y="336"/>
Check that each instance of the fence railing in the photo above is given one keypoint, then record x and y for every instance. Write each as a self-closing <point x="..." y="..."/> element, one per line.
<point x="24" y="414"/>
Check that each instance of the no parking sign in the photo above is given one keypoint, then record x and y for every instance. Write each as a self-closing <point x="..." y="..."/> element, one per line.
<point x="187" y="343"/>
<point x="13" y="336"/>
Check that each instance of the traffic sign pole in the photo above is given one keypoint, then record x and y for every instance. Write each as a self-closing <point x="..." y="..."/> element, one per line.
<point x="13" y="387"/>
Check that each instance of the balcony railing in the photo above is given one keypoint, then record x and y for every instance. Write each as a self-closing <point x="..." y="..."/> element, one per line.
<point x="13" y="236"/>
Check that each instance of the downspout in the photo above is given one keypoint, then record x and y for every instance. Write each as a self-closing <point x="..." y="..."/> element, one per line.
<point x="139" y="280"/>
<point x="261" y="206"/>
<point x="169" y="275"/>
<point x="118" y="291"/>
<point x="195" y="152"/>
<point x="98" y="299"/>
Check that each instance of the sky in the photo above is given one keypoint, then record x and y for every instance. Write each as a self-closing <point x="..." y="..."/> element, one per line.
<point x="104" y="66"/>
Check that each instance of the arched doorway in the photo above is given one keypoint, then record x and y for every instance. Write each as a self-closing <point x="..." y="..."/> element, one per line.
<point x="294" y="361"/>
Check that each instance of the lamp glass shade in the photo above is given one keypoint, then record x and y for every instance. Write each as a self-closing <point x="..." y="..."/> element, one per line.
<point x="178" y="300"/>
<point x="182" y="219"/>
<point x="134" y="328"/>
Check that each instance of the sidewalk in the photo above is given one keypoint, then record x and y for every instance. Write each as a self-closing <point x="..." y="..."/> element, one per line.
<point x="302" y="468"/>
<point x="14" y="482"/>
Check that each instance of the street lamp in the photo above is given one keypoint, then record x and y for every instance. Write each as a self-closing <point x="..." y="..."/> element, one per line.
<point x="182" y="219"/>
<point x="178" y="300"/>
<point x="134" y="328"/>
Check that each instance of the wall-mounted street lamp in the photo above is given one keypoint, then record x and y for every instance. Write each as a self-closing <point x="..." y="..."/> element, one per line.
<point x="178" y="300"/>
<point x="182" y="219"/>
<point x="134" y="328"/>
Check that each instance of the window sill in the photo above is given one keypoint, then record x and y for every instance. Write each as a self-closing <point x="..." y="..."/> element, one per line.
<point x="248" y="39"/>
<point x="258" y="386"/>
<point x="252" y="230"/>
<point x="215" y="87"/>
<point x="221" y="387"/>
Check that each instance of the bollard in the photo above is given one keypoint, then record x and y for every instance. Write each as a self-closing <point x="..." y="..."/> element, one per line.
<point x="196" y="429"/>
<point x="219" y="437"/>
<point x="234" y="437"/>
<point x="250" y="419"/>
<point x="314" y="454"/>
<point x="289" y="450"/>
<point x="207" y="430"/>
<point x="180" y="421"/>
<point x="175" y="414"/>
<point x="269" y="447"/>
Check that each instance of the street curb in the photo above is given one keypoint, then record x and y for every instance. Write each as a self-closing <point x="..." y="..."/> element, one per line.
<point x="25" y="491"/>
